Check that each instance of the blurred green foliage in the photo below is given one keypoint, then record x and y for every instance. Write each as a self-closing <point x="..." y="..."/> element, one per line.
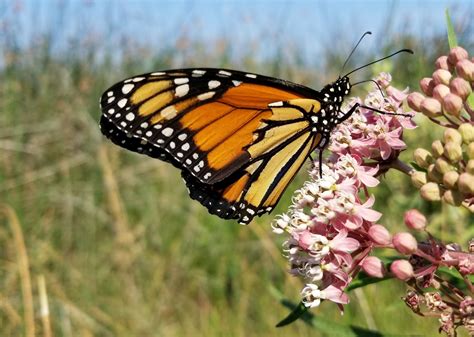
<point x="123" y="249"/>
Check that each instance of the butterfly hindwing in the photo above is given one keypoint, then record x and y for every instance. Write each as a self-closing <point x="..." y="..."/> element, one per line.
<point x="255" y="190"/>
<point x="278" y="153"/>
<point x="238" y="138"/>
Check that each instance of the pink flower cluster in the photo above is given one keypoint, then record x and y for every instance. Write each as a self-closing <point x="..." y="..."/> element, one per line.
<point x="371" y="135"/>
<point x="331" y="225"/>
<point x="431" y="294"/>
<point x="453" y="306"/>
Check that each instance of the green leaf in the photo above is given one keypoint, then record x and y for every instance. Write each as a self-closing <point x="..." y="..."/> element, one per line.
<point x="297" y="312"/>
<point x="453" y="276"/>
<point x="362" y="280"/>
<point x="417" y="167"/>
<point x="452" y="39"/>
<point x="449" y="272"/>
<point x="330" y="328"/>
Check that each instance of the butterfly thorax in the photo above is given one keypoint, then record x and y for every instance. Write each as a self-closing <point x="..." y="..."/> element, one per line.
<point x="330" y="114"/>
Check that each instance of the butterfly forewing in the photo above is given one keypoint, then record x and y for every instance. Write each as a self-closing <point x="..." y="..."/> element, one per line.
<point x="238" y="138"/>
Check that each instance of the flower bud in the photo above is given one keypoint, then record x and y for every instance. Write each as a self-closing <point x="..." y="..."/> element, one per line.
<point x="437" y="148"/>
<point x="470" y="150"/>
<point x="414" y="101"/>
<point x="430" y="191"/>
<point x="467" y="132"/>
<point x="441" y="76"/>
<point x="460" y="87"/>
<point x="405" y="243"/>
<point x="373" y="266"/>
<point x="453" y="152"/>
<point x="452" y="104"/>
<point x="402" y="269"/>
<point x="470" y="166"/>
<point x="431" y="107"/>
<point x="453" y="197"/>
<point x="443" y="166"/>
<point x="442" y="62"/>
<point x="466" y="183"/>
<point x="418" y="179"/>
<point x="414" y="219"/>
<point x="427" y="84"/>
<point x="450" y="179"/>
<point x="465" y="69"/>
<point x="422" y="157"/>
<point x="457" y="54"/>
<point x="379" y="234"/>
<point x="440" y="91"/>
<point x="452" y="136"/>
<point x="434" y="174"/>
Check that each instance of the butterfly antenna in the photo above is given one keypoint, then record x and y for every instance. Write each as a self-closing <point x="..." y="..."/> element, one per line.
<point x="353" y="50"/>
<point x="375" y="82"/>
<point x="405" y="50"/>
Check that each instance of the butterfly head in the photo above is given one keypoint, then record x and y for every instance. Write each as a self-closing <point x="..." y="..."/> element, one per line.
<point x="330" y="115"/>
<point x="335" y="92"/>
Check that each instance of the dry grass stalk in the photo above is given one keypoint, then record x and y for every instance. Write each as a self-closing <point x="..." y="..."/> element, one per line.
<point x="119" y="215"/>
<point x="44" y="313"/>
<point x="24" y="269"/>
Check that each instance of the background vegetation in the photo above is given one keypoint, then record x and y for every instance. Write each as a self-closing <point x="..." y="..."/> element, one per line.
<point x="111" y="239"/>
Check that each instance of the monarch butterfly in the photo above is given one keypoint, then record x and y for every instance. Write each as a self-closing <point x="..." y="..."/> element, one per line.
<point x="238" y="138"/>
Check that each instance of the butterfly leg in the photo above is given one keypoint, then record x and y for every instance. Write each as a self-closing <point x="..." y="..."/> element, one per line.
<point x="320" y="161"/>
<point x="348" y="113"/>
<point x="384" y="112"/>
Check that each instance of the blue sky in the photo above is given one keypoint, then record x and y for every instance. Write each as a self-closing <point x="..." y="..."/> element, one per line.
<point x="308" y="24"/>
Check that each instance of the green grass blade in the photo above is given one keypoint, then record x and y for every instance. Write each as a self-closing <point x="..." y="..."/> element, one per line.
<point x="330" y="328"/>
<point x="452" y="39"/>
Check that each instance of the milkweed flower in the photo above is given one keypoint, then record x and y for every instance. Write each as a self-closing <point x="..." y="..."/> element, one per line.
<point x="312" y="295"/>
<point x="331" y="225"/>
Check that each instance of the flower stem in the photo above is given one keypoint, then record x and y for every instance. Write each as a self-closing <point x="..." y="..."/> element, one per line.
<point x="468" y="283"/>
<point x="443" y="124"/>
<point x="402" y="167"/>
<point x="427" y="257"/>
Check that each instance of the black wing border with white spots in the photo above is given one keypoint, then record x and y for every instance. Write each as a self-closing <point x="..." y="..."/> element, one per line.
<point x="119" y="115"/>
